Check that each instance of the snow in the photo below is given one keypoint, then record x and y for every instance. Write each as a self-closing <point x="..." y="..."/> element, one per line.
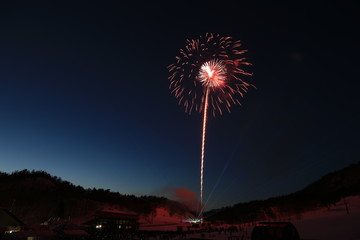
<point x="162" y="220"/>
<point x="338" y="222"/>
<point x="332" y="224"/>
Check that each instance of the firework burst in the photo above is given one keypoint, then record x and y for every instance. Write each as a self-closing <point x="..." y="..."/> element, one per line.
<point x="208" y="74"/>
<point x="213" y="62"/>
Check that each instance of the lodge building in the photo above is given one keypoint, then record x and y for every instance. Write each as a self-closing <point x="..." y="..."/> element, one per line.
<point x="114" y="220"/>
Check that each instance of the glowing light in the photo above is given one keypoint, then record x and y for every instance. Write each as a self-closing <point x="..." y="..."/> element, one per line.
<point x="212" y="73"/>
<point x="98" y="226"/>
<point x="193" y="220"/>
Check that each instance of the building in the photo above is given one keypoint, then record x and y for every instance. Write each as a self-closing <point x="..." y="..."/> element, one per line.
<point x="114" y="220"/>
<point x="9" y="222"/>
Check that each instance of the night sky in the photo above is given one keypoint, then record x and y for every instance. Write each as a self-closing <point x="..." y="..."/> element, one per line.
<point x="84" y="95"/>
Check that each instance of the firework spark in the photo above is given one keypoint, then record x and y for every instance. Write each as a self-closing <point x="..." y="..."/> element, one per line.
<point x="208" y="73"/>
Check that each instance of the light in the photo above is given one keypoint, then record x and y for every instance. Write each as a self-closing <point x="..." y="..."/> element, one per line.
<point x="209" y="71"/>
<point x="212" y="73"/>
<point x="98" y="226"/>
<point x="194" y="220"/>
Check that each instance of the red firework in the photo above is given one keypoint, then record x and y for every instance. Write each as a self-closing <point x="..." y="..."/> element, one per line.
<point x="209" y="62"/>
<point x="208" y="74"/>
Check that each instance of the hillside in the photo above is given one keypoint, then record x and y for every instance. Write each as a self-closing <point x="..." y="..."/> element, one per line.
<point x="323" y="193"/>
<point x="36" y="196"/>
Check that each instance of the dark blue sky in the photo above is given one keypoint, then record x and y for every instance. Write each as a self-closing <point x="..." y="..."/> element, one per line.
<point x="84" y="96"/>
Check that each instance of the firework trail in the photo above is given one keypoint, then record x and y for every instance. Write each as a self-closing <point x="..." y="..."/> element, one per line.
<point x="203" y="146"/>
<point x="208" y="74"/>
